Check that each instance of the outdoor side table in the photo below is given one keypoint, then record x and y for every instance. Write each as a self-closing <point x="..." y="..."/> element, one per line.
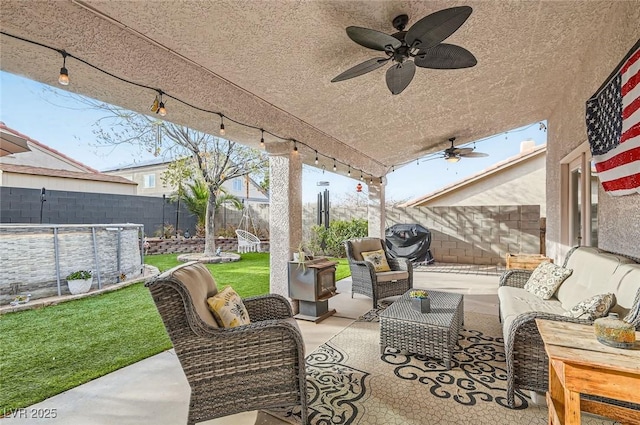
<point x="433" y="334"/>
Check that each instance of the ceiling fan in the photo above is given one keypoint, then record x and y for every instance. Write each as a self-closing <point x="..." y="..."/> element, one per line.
<point x="454" y="154"/>
<point x="422" y="45"/>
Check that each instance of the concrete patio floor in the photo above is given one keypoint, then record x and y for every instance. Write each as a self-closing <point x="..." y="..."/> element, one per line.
<point x="155" y="391"/>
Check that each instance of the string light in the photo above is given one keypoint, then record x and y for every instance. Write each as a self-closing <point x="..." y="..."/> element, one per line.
<point x="162" y="111"/>
<point x="295" y="146"/>
<point x="370" y="180"/>
<point x="159" y="107"/>
<point x="64" y="74"/>
<point x="349" y="172"/>
<point x="361" y="176"/>
<point x="317" y="158"/>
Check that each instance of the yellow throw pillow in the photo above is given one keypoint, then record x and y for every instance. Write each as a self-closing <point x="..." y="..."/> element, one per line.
<point x="228" y="309"/>
<point x="378" y="259"/>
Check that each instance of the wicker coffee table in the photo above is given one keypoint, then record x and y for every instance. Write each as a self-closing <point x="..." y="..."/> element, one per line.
<point x="433" y="334"/>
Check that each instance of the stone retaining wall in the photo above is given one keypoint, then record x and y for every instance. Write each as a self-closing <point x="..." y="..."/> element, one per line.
<point x="28" y="257"/>
<point x="193" y="245"/>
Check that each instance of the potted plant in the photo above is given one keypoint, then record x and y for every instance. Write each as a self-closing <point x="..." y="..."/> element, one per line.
<point x="420" y="300"/>
<point x="80" y="281"/>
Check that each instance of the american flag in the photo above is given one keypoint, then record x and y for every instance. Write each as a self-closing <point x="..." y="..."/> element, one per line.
<point x="613" y="128"/>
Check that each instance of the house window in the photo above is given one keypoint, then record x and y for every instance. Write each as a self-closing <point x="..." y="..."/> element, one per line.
<point x="579" y="198"/>
<point x="149" y="181"/>
<point x="237" y="185"/>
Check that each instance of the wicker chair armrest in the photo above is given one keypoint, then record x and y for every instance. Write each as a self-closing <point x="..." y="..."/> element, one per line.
<point x="363" y="268"/>
<point x="515" y="278"/>
<point x="401" y="264"/>
<point x="233" y="343"/>
<point x="268" y="307"/>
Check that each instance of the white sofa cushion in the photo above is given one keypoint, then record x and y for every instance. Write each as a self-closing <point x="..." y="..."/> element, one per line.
<point x="592" y="275"/>
<point x="515" y="301"/>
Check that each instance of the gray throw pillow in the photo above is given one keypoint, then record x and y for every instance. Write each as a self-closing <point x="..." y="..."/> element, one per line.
<point x="546" y="279"/>
<point x="593" y="307"/>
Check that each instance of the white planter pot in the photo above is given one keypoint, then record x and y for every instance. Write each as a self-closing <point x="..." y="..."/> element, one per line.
<point x="79" y="286"/>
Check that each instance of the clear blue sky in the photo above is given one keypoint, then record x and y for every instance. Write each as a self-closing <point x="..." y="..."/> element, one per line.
<point x="67" y="127"/>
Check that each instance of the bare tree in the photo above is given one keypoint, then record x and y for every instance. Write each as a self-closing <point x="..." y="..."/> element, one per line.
<point x="216" y="160"/>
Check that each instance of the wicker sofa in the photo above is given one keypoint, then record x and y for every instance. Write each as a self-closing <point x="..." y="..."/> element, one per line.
<point x="594" y="272"/>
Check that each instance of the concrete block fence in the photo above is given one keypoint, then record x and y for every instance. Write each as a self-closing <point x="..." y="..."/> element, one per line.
<point x="465" y="234"/>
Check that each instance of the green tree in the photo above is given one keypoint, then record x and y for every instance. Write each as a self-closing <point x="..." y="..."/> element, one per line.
<point x="216" y="160"/>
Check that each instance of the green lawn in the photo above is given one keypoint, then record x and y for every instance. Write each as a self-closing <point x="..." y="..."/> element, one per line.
<point x="49" y="350"/>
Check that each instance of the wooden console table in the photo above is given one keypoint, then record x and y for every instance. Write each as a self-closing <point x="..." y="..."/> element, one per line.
<point x="579" y="364"/>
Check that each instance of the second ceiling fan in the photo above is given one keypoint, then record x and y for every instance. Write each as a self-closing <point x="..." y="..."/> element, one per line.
<point x="422" y="45"/>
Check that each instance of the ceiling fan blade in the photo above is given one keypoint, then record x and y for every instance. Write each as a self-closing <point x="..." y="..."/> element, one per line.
<point x="459" y="151"/>
<point x="399" y="76"/>
<point x="473" y="155"/>
<point x="435" y="28"/>
<point x="372" y="39"/>
<point x="445" y="56"/>
<point x="363" y="68"/>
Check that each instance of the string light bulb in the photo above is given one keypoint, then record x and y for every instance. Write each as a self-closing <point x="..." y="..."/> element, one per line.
<point x="393" y="168"/>
<point x="63" y="79"/>
<point x="316" y="158"/>
<point x="262" y="139"/>
<point x="222" y="131"/>
<point x="295" y="146"/>
<point x="370" y="180"/>
<point x="361" y="176"/>
<point x="334" y="165"/>
<point x="162" y="111"/>
<point x="349" y="172"/>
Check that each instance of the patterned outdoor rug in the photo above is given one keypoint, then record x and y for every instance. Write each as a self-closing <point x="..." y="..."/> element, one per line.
<point x="349" y="382"/>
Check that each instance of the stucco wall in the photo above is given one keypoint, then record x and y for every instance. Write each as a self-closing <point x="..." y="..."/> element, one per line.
<point x="618" y="218"/>
<point x="38" y="157"/>
<point x="522" y="185"/>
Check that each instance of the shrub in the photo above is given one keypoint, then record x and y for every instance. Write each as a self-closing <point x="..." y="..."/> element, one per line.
<point x="332" y="239"/>
<point x="80" y="274"/>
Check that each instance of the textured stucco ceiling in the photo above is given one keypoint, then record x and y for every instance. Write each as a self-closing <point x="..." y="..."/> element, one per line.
<point x="269" y="64"/>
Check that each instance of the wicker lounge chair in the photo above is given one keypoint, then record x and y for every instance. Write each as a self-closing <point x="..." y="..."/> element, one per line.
<point x="379" y="285"/>
<point x="231" y="370"/>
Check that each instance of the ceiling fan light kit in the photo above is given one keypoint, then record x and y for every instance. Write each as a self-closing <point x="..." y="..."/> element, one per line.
<point x="421" y="46"/>
<point x="453" y="154"/>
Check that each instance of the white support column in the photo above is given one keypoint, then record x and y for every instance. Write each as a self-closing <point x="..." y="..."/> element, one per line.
<point x="285" y="218"/>
<point x="376" y="208"/>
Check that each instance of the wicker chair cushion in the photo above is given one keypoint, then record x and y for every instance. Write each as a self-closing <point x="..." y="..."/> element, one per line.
<point x="364" y="244"/>
<point x="516" y="301"/>
<point x="228" y="309"/>
<point x="391" y="276"/>
<point x="546" y="279"/>
<point x="192" y="275"/>
<point x="593" y="307"/>
<point x="378" y="259"/>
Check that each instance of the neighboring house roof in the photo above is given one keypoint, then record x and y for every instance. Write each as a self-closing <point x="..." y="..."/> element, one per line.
<point x="47" y="148"/>
<point x="77" y="175"/>
<point x="162" y="161"/>
<point x="142" y="164"/>
<point x="498" y="167"/>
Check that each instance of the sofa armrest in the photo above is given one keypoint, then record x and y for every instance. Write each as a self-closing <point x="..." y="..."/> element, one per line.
<point x="515" y="278"/>
<point x="527" y="361"/>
